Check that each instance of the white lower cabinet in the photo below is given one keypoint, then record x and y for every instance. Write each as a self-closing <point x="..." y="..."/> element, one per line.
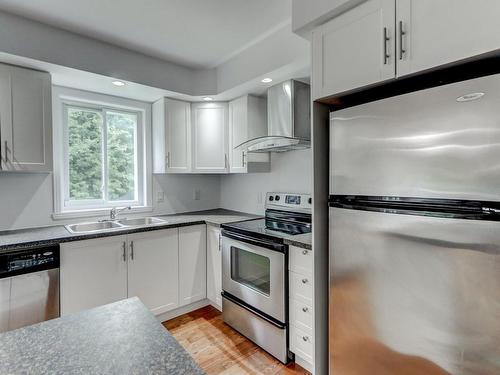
<point x="214" y="266"/>
<point x="93" y="273"/>
<point x="153" y="269"/>
<point x="301" y="304"/>
<point x="192" y="264"/>
<point x="166" y="269"/>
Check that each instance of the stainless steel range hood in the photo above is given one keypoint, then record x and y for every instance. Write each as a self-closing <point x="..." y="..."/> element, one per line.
<point x="288" y="119"/>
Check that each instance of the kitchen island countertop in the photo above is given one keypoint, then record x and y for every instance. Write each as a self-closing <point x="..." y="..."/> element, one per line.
<point x="119" y="338"/>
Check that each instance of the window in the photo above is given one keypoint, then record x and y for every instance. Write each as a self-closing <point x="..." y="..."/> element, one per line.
<point x="102" y="163"/>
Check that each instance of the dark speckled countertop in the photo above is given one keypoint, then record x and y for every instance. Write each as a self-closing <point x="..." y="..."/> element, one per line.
<point x="45" y="236"/>
<point x="119" y="338"/>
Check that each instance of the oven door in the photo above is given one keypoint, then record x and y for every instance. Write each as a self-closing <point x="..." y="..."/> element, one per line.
<point x="253" y="270"/>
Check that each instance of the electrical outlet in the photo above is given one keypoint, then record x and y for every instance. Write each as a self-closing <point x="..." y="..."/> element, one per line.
<point x="196" y="194"/>
<point x="160" y="196"/>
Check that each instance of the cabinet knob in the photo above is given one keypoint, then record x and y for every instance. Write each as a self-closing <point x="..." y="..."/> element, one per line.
<point x="305" y="252"/>
<point x="305" y="338"/>
<point x="304" y="281"/>
<point x="305" y="309"/>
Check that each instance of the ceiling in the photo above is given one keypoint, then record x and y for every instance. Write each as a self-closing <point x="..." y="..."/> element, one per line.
<point x="194" y="33"/>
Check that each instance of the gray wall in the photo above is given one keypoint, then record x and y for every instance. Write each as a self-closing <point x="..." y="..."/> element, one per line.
<point x="290" y="172"/>
<point x="26" y="200"/>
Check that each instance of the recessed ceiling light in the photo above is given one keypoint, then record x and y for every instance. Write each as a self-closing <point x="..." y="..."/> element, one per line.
<point x="118" y="83"/>
<point x="470" y="97"/>
<point x="267" y="80"/>
<point x="208" y="99"/>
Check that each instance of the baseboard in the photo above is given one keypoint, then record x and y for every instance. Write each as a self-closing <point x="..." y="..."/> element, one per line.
<point x="182" y="310"/>
<point x="304" y="364"/>
<point x="213" y="304"/>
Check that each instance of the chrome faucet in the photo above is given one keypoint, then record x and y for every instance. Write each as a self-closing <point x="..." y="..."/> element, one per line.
<point x="114" y="211"/>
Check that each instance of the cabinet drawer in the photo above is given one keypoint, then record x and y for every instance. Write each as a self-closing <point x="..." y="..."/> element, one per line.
<point x="301" y="288"/>
<point x="301" y="316"/>
<point x="301" y="260"/>
<point x="301" y="344"/>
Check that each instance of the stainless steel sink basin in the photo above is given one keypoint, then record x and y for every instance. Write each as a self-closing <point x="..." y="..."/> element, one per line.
<point x="97" y="226"/>
<point x="141" y="221"/>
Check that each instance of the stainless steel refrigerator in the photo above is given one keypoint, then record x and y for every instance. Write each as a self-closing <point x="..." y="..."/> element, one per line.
<point x="415" y="233"/>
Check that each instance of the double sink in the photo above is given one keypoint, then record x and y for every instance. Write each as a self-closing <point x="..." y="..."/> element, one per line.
<point x="110" y="225"/>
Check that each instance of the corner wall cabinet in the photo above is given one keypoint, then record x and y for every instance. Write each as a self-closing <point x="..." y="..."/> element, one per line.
<point x="25" y="120"/>
<point x="164" y="268"/>
<point x="385" y="39"/>
<point x="210" y="128"/>
<point x="247" y="120"/>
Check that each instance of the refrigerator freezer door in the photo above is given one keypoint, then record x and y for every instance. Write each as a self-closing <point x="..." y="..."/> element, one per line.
<point x="413" y="294"/>
<point x="423" y="144"/>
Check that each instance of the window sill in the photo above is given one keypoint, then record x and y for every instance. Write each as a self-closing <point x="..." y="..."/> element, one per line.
<point x="74" y="214"/>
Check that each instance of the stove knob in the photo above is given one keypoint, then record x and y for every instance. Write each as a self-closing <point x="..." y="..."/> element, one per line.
<point x="310" y="200"/>
<point x="271" y="198"/>
<point x="277" y="197"/>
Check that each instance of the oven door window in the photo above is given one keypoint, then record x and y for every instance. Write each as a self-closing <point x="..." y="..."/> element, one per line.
<point x="250" y="269"/>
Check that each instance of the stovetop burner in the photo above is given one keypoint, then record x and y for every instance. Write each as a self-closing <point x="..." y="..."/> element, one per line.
<point x="286" y="215"/>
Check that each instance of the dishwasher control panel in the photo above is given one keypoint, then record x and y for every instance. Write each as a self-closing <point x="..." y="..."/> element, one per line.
<point x="29" y="260"/>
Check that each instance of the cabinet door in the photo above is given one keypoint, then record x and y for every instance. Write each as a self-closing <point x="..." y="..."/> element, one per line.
<point x="4" y="303"/>
<point x="355" y="49"/>
<point x="238" y="124"/>
<point x="210" y="123"/>
<point x="192" y="264"/>
<point x="214" y="266"/>
<point x="177" y="136"/>
<point x="27" y="137"/>
<point x="153" y="269"/>
<point x="5" y="114"/>
<point x="93" y="273"/>
<point x="440" y="32"/>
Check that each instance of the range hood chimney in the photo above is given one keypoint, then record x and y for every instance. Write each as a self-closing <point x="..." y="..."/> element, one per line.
<point x="288" y="119"/>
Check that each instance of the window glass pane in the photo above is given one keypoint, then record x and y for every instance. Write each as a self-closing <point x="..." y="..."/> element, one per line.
<point x="122" y="171"/>
<point x="85" y="154"/>
<point x="251" y="269"/>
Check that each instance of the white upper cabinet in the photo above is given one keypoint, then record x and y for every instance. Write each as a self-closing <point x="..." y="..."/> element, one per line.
<point x="153" y="269"/>
<point x="192" y="264"/>
<point x="247" y="120"/>
<point x="210" y="134"/>
<point x="172" y="136"/>
<point x="355" y="49"/>
<point x="383" y="39"/>
<point x="25" y="120"/>
<point x="444" y="31"/>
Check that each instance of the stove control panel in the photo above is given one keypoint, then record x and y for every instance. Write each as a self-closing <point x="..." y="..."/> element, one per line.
<point x="293" y="201"/>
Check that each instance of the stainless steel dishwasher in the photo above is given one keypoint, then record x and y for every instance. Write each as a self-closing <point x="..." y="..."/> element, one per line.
<point x="29" y="287"/>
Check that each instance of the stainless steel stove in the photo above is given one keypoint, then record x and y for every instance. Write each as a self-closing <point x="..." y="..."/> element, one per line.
<point x="255" y="271"/>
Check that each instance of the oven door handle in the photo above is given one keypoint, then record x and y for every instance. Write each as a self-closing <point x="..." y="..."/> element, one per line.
<point x="255" y="241"/>
<point x="261" y="315"/>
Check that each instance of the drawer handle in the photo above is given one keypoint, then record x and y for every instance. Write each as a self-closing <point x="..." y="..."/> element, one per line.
<point x="305" y="252"/>
<point x="305" y="281"/>
<point x="305" y="309"/>
<point x="305" y="338"/>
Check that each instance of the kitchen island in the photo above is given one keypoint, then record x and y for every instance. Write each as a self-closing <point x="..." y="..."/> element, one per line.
<point x="119" y="338"/>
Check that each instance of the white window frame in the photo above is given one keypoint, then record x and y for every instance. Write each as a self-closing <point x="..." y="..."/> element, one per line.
<point x="64" y="98"/>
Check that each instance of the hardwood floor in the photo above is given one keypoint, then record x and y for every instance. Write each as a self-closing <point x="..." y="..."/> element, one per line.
<point x="219" y="349"/>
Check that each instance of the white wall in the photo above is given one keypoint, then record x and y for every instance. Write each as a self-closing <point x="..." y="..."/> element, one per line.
<point x="26" y="200"/>
<point x="290" y="172"/>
